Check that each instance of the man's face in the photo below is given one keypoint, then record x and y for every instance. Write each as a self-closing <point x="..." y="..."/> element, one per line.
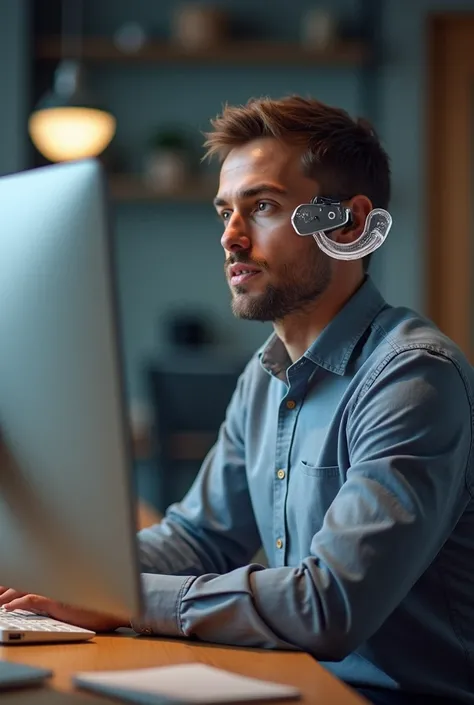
<point x="271" y="270"/>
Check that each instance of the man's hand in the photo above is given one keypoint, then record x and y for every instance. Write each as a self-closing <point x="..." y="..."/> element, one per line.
<point x="14" y="600"/>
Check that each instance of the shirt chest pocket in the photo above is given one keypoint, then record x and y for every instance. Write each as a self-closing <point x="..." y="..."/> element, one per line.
<point x="320" y="484"/>
<point x="312" y="489"/>
<point x="322" y="472"/>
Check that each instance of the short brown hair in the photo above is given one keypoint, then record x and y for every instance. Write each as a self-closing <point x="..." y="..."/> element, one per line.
<point x="343" y="155"/>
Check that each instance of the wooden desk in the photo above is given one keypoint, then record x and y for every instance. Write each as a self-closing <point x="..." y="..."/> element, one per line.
<point x="122" y="651"/>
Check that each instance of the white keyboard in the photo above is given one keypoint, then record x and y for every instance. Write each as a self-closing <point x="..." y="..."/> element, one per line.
<point x="23" y="621"/>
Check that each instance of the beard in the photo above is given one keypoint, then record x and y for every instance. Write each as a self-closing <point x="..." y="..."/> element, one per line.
<point x="301" y="284"/>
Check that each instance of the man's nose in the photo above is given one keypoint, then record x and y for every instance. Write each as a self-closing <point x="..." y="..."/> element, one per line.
<point x="236" y="236"/>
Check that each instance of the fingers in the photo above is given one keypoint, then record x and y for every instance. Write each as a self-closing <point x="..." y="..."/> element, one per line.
<point x="64" y="613"/>
<point x="8" y="594"/>
<point x="31" y="603"/>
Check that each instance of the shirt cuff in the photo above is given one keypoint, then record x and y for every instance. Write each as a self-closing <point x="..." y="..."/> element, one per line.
<point x="162" y="595"/>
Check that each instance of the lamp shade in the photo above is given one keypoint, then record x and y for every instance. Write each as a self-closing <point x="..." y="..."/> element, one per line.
<point x="61" y="134"/>
<point x="66" y="124"/>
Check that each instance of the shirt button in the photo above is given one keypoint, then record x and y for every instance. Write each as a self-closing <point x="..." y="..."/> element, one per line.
<point x="281" y="474"/>
<point x="290" y="404"/>
<point x="279" y="543"/>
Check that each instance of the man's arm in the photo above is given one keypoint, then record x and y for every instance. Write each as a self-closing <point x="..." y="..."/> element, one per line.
<point x="410" y="444"/>
<point x="213" y="530"/>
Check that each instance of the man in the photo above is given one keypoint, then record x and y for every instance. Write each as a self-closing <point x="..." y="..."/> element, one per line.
<point x="346" y="449"/>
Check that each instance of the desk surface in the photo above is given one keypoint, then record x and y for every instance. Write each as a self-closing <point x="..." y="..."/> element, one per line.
<point x="123" y="651"/>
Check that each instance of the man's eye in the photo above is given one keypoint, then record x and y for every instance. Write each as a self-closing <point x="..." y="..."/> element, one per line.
<point x="225" y="215"/>
<point x="264" y="207"/>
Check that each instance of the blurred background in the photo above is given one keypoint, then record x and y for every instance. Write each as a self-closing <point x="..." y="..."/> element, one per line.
<point x="148" y="76"/>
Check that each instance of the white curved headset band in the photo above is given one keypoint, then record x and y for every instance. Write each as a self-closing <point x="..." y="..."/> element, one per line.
<point x="324" y="215"/>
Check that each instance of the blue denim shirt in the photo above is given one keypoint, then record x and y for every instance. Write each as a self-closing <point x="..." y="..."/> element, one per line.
<point x="354" y="468"/>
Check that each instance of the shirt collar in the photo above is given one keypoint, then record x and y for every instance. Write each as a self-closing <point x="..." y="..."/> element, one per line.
<point x="333" y="348"/>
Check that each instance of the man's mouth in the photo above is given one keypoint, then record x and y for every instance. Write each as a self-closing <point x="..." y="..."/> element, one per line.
<point x="244" y="275"/>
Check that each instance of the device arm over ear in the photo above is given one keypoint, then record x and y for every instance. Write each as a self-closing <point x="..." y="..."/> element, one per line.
<point x="377" y="227"/>
<point x="323" y="216"/>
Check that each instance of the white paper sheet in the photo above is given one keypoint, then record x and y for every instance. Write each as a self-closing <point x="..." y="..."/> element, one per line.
<point x="190" y="682"/>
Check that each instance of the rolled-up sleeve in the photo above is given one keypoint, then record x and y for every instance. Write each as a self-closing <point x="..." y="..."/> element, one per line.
<point x="409" y="439"/>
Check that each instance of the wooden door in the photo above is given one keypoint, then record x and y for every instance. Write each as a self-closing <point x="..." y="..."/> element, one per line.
<point x="450" y="177"/>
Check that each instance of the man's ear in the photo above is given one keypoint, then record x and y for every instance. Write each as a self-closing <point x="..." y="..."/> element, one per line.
<point x="360" y="207"/>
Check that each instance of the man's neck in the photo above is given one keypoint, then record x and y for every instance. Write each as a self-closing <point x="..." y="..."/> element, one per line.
<point x="299" y="330"/>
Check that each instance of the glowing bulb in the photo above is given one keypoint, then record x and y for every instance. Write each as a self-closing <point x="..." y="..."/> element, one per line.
<point x="67" y="133"/>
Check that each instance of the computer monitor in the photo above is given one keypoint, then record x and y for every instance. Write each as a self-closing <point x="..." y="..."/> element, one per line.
<point x="67" y="509"/>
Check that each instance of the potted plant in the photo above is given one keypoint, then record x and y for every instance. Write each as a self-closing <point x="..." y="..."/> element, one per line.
<point x="168" y="160"/>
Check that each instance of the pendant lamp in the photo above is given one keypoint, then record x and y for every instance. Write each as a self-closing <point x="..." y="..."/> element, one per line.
<point x="67" y="123"/>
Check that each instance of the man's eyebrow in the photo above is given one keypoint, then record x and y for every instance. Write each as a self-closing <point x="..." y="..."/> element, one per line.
<point x="257" y="190"/>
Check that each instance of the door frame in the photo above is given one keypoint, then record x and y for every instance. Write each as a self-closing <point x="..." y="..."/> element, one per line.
<point x="450" y="176"/>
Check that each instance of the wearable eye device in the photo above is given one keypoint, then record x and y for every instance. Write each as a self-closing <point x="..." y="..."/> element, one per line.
<point x="323" y="215"/>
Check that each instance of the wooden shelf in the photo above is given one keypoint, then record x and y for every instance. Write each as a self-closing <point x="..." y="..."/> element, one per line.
<point x="130" y="188"/>
<point x="234" y="52"/>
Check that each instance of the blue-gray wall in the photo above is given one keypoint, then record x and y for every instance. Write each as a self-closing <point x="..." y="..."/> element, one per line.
<point x="171" y="254"/>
